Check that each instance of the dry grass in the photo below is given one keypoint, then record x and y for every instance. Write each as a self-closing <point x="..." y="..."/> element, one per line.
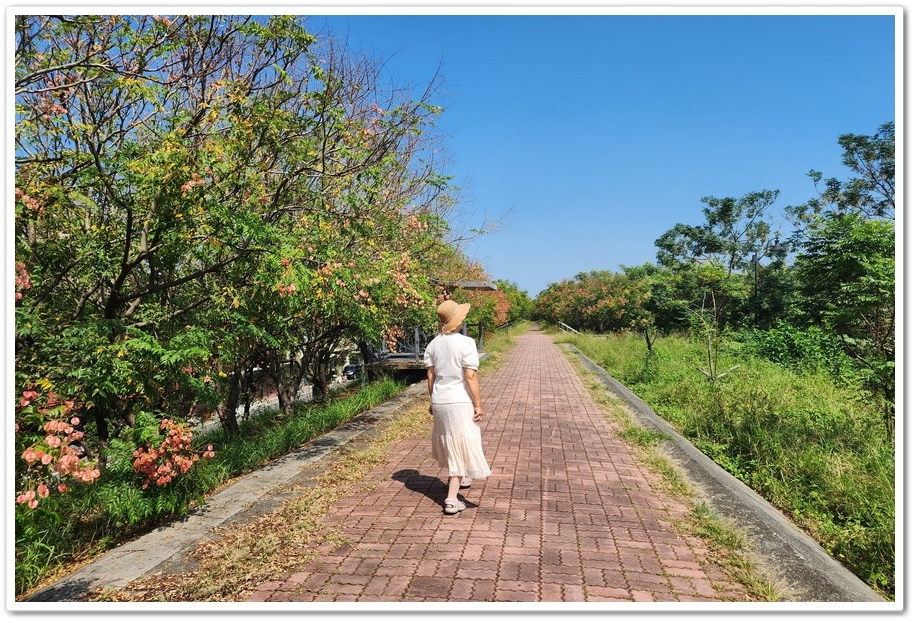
<point x="272" y="546"/>
<point x="247" y="555"/>
<point x="727" y="545"/>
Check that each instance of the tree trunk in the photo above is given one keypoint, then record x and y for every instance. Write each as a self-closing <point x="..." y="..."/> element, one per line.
<point x="322" y="390"/>
<point x="288" y="379"/>
<point x="101" y="424"/>
<point x="320" y="383"/>
<point x="227" y="415"/>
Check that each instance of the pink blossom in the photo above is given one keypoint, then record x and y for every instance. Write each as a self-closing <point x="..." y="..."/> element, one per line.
<point x="25" y="497"/>
<point x="67" y="464"/>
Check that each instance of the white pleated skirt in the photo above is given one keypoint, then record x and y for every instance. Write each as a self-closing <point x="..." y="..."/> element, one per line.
<point x="456" y="440"/>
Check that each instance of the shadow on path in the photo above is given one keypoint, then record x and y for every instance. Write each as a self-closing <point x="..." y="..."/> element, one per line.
<point x="431" y="486"/>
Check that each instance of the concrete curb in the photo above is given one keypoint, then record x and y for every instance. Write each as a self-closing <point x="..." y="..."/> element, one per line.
<point x="167" y="547"/>
<point x="796" y="561"/>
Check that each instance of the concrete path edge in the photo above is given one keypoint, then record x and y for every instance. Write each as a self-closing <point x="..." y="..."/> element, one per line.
<point x="168" y="547"/>
<point x="797" y="562"/>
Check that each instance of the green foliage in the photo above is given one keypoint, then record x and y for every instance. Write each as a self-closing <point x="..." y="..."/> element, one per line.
<point x="99" y="516"/>
<point x="803" y="439"/>
<point x="847" y="270"/>
<point x="848" y="277"/>
<point x="521" y="306"/>
<point x="734" y="229"/>
<point x="668" y="302"/>
<point x="871" y="192"/>
<point x="812" y="349"/>
<point x="598" y="301"/>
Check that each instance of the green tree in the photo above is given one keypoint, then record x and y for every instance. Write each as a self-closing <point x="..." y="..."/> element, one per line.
<point x="734" y="230"/>
<point x="665" y="309"/>
<point x="735" y="238"/>
<point x="845" y="269"/>
<point x="521" y="306"/>
<point x="847" y="278"/>
<point x="870" y="192"/>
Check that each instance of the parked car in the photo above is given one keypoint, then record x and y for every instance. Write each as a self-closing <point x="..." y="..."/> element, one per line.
<point x="352" y="371"/>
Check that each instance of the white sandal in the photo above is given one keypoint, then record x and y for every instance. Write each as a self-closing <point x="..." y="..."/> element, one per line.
<point x="465" y="483"/>
<point x="453" y="506"/>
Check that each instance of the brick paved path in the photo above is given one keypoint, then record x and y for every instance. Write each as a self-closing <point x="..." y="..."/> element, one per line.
<point x="568" y="515"/>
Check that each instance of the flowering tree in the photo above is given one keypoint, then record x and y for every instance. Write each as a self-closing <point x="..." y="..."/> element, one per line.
<point x="196" y="197"/>
<point x="489" y="308"/>
<point x="128" y="202"/>
<point x="50" y="454"/>
<point x="599" y="301"/>
<point x="173" y="455"/>
<point x="199" y="195"/>
<point x="361" y="204"/>
<point x="520" y="305"/>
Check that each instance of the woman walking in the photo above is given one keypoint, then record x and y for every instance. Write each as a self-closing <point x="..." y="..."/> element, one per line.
<point x="451" y="378"/>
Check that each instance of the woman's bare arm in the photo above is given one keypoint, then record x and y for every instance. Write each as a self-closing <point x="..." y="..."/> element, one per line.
<point x="470" y="379"/>
<point x="430" y="381"/>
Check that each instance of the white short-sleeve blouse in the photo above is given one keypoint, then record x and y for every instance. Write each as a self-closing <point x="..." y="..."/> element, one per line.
<point x="450" y="354"/>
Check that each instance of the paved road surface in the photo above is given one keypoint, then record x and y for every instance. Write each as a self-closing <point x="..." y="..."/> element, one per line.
<point x="568" y="514"/>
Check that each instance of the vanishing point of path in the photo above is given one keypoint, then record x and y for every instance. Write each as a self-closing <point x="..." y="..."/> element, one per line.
<point x="568" y="515"/>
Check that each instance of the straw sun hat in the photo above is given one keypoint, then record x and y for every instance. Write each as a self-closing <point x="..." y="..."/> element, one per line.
<point x="451" y="315"/>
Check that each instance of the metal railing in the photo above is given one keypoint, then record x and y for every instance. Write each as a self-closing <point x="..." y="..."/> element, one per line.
<point x="566" y="328"/>
<point x="412" y="346"/>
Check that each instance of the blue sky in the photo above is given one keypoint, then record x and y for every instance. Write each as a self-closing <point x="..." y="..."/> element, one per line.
<point x="588" y="136"/>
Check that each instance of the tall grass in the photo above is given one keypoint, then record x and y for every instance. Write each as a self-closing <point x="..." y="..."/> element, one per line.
<point x="94" y="518"/>
<point x="814" y="448"/>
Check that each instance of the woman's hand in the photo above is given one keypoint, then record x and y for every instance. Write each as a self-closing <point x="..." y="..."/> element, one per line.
<point x="473" y="386"/>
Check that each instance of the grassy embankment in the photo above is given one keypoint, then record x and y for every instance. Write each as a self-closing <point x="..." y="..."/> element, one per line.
<point x="67" y="532"/>
<point x="815" y="448"/>
<point x="50" y="542"/>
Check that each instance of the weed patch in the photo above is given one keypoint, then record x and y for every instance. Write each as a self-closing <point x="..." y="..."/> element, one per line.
<point x="727" y="546"/>
<point x="809" y="443"/>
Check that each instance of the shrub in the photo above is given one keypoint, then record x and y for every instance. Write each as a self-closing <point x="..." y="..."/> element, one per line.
<point x="806" y="350"/>
<point x="803" y="436"/>
<point x="93" y="517"/>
